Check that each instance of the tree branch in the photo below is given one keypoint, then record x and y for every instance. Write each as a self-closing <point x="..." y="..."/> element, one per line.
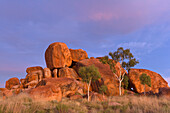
<point x="123" y="76"/>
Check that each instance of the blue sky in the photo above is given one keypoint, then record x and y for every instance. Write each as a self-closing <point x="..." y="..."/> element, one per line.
<point x="98" y="26"/>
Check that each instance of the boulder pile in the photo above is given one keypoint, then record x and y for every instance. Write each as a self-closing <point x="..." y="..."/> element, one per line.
<point x="61" y="78"/>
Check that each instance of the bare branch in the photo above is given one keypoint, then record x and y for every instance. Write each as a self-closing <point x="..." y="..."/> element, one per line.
<point x="123" y="76"/>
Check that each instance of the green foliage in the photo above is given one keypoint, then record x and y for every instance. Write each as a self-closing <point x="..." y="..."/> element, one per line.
<point x="125" y="57"/>
<point x="145" y="79"/>
<point x="90" y="72"/>
<point x="106" y="60"/>
<point x="103" y="89"/>
<point x="126" y="82"/>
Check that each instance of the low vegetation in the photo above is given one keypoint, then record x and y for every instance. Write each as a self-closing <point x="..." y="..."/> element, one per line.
<point x="22" y="103"/>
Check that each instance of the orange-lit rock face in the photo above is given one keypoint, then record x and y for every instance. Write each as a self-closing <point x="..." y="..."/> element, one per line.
<point x="12" y="82"/>
<point x="78" y="54"/>
<point x="156" y="80"/>
<point x="47" y="73"/>
<point x="35" y="74"/>
<point x="58" y="55"/>
<point x="68" y="72"/>
<point x="33" y="69"/>
<point x="55" y="71"/>
<point x="48" y="93"/>
<point x="107" y="77"/>
<point x="68" y="86"/>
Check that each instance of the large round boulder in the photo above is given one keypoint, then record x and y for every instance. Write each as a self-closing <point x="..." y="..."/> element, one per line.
<point x="58" y="55"/>
<point x="156" y="81"/>
<point x="12" y="82"/>
<point x="78" y="54"/>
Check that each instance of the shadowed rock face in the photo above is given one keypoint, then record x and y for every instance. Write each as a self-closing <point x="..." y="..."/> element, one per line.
<point x="12" y="82"/>
<point x="165" y="91"/>
<point x="58" y="55"/>
<point x="107" y="77"/>
<point x="156" y="80"/>
<point x="78" y="54"/>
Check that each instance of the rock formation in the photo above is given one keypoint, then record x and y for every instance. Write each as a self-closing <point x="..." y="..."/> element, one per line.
<point x="107" y="77"/>
<point x="165" y="91"/>
<point x="61" y="78"/>
<point x="47" y="73"/>
<point x="156" y="80"/>
<point x="12" y="82"/>
<point x="78" y="54"/>
<point x="55" y="72"/>
<point x="68" y="86"/>
<point x="68" y="72"/>
<point x="58" y="55"/>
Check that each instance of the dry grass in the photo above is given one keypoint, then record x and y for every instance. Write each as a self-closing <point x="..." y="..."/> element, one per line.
<point x="125" y="104"/>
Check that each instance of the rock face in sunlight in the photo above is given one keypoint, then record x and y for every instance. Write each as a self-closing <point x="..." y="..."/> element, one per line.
<point x="78" y="54"/>
<point x="35" y="74"/>
<point x="56" y="88"/>
<point x="156" y="80"/>
<point x="12" y="82"/>
<point x="47" y="73"/>
<point x="107" y="77"/>
<point x="58" y="55"/>
<point x="68" y="72"/>
<point x="61" y="78"/>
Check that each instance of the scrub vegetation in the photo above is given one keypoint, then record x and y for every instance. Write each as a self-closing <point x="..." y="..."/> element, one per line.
<point x="22" y="103"/>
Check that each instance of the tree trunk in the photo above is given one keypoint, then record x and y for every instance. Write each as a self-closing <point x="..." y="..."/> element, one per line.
<point x="120" y="91"/>
<point x="144" y="90"/>
<point x="88" y="90"/>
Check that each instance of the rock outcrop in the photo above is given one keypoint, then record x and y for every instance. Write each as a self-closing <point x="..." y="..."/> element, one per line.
<point x="47" y="73"/>
<point x="78" y="54"/>
<point x="68" y="86"/>
<point x="68" y="72"/>
<point x="55" y="73"/>
<point x="165" y="91"/>
<point x="34" y="69"/>
<point x="34" y="75"/>
<point x="61" y="78"/>
<point x="47" y="92"/>
<point x="12" y="82"/>
<point x="107" y="77"/>
<point x="58" y="55"/>
<point x="156" y="81"/>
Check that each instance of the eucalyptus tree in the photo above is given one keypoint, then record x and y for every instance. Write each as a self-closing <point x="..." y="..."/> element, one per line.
<point x="145" y="79"/>
<point x="89" y="74"/>
<point x="126" y="60"/>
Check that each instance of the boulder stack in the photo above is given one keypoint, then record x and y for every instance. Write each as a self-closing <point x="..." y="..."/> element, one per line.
<point x="61" y="77"/>
<point x="12" y="82"/>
